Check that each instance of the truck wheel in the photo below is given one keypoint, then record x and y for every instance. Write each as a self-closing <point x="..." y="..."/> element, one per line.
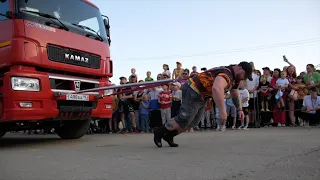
<point x="73" y="129"/>
<point x="2" y="134"/>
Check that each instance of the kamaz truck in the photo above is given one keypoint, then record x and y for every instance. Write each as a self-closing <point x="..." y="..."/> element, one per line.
<point x="49" y="50"/>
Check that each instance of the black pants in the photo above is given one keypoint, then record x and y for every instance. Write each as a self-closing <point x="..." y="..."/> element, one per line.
<point x="312" y="118"/>
<point x="175" y="108"/>
<point x="155" y="118"/>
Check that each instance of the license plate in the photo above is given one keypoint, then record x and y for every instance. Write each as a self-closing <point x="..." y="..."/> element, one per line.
<point x="77" y="97"/>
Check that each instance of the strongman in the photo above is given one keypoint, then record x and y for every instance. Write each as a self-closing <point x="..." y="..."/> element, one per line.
<point x="210" y="83"/>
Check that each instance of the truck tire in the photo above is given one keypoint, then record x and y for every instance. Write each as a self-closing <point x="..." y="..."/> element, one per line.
<point x="73" y="129"/>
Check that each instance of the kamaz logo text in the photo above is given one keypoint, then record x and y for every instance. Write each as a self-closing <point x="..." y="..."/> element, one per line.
<point x="76" y="58"/>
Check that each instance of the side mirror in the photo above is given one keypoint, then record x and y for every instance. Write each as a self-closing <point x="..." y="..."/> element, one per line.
<point x="107" y="26"/>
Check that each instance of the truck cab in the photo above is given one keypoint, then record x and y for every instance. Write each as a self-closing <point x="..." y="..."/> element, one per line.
<point x="48" y="51"/>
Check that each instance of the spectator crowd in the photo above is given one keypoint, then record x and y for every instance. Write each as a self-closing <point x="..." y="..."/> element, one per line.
<point x="278" y="97"/>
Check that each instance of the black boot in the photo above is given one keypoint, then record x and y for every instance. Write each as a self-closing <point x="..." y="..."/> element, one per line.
<point x="169" y="138"/>
<point x="158" y="135"/>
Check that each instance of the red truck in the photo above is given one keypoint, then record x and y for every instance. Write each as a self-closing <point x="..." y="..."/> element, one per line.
<point x="49" y="50"/>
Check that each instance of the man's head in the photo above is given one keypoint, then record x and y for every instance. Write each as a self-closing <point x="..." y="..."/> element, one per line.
<point x="148" y="74"/>
<point x="310" y="68"/>
<point x="133" y="78"/>
<point x="123" y="80"/>
<point x="176" y="85"/>
<point x="245" y="71"/>
<point x="313" y="92"/>
<point x="165" y="76"/>
<point x="194" y="68"/>
<point x="179" y="64"/>
<point x="186" y="73"/>
<point x="266" y="71"/>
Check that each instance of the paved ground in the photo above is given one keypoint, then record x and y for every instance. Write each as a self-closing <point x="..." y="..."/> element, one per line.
<point x="257" y="154"/>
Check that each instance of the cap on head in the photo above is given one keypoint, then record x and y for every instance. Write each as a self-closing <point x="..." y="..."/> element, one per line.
<point x="266" y="68"/>
<point x="179" y="62"/>
<point x="247" y="68"/>
<point x="177" y="84"/>
<point x="122" y="77"/>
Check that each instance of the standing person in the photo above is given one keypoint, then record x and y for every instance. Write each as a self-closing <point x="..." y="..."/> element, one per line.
<point x="312" y="78"/>
<point x="177" y="72"/>
<point x="133" y="74"/>
<point x="136" y="106"/>
<point x="144" y="113"/>
<point x="166" y="70"/>
<point x="267" y="73"/>
<point x="211" y="83"/>
<point x="244" y="93"/>
<point x="231" y="110"/>
<point x="279" y="116"/>
<point x="148" y="78"/>
<point x="302" y="92"/>
<point x="125" y="107"/>
<point x="165" y="100"/>
<point x="155" y="113"/>
<point x="292" y="79"/>
<point x="176" y="99"/>
<point x="252" y="86"/>
<point x="115" y="114"/>
<point x="207" y="116"/>
<point x="264" y="93"/>
<point x="194" y="71"/>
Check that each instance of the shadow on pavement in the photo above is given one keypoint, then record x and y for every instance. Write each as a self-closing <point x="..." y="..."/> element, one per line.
<point x="25" y="140"/>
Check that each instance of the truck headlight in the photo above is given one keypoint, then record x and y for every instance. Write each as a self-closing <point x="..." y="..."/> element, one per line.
<point x="25" y="84"/>
<point x="108" y="92"/>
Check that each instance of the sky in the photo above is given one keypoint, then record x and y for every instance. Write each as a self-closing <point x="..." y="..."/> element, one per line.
<point x="146" y="34"/>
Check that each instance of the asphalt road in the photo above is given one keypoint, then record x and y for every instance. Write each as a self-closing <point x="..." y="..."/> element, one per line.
<point x="256" y="154"/>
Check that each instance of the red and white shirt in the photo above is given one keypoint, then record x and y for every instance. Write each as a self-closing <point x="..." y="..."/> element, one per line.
<point x="165" y="96"/>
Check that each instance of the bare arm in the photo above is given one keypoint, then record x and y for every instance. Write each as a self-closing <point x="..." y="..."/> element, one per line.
<point x="236" y="99"/>
<point x="173" y="73"/>
<point x="218" y="92"/>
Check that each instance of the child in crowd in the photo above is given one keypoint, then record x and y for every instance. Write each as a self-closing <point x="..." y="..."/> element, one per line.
<point x="282" y="83"/>
<point x="166" y="70"/>
<point x="176" y="99"/>
<point x="148" y="78"/>
<point x="302" y="92"/>
<point x="115" y="115"/>
<point x="207" y="115"/>
<point x="144" y="113"/>
<point x="165" y="100"/>
<point x="231" y="109"/>
<point x="244" y="94"/>
<point x="133" y="74"/>
<point x="264" y="89"/>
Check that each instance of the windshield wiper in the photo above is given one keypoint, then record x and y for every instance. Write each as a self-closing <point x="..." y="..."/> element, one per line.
<point x="49" y="17"/>
<point x="86" y="27"/>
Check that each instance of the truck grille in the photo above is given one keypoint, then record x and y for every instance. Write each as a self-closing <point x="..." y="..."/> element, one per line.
<point x="74" y="57"/>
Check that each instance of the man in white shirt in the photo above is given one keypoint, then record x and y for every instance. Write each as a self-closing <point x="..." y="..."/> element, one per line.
<point x="252" y="87"/>
<point x="311" y="108"/>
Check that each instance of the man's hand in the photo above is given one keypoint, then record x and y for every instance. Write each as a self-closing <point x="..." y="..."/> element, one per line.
<point x="241" y="115"/>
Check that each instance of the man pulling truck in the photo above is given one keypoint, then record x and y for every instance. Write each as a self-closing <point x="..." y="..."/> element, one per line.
<point x="210" y="83"/>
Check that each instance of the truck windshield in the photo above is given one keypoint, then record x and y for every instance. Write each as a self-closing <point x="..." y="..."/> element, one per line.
<point x="70" y="12"/>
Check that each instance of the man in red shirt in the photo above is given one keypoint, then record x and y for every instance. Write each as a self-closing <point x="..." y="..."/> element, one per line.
<point x="211" y="83"/>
